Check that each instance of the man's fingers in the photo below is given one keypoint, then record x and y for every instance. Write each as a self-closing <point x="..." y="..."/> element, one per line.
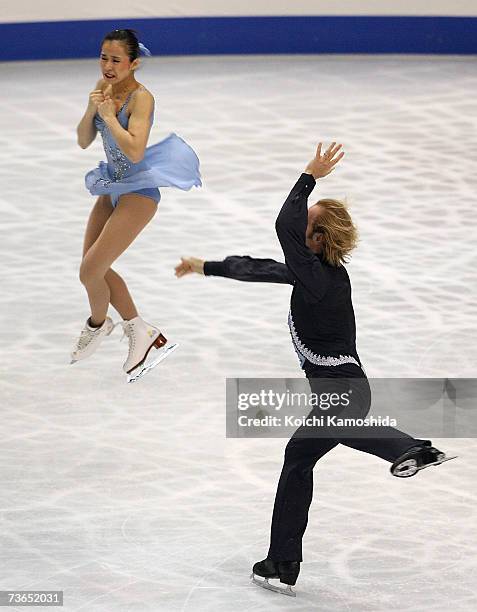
<point x="335" y="150"/>
<point x="332" y="151"/>
<point x="337" y="159"/>
<point x="180" y="271"/>
<point x="330" y="148"/>
<point x="318" y="150"/>
<point x="185" y="267"/>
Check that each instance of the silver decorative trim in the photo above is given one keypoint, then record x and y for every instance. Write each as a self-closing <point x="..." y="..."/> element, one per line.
<point x="313" y="357"/>
<point x="121" y="163"/>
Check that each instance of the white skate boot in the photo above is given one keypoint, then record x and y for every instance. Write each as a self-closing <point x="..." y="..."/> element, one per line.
<point x="142" y="337"/>
<point x="90" y="338"/>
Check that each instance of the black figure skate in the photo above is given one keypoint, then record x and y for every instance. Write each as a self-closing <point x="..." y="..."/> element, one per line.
<point x="286" y="571"/>
<point x="416" y="459"/>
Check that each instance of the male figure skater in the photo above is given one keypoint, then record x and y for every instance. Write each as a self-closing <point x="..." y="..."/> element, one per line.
<point x="315" y="244"/>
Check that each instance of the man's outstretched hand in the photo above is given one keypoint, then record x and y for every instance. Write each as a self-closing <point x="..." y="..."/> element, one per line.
<point x="189" y="265"/>
<point x="322" y="165"/>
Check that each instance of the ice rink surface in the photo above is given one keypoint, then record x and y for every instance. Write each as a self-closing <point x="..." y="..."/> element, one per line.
<point x="129" y="497"/>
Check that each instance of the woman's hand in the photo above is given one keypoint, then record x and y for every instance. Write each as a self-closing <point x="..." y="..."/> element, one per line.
<point x="98" y="96"/>
<point x="189" y="265"/>
<point x="107" y="109"/>
<point x="322" y="165"/>
<point x="95" y="99"/>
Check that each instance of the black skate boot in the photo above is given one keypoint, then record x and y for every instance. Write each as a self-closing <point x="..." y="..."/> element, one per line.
<point x="286" y="571"/>
<point x="417" y="458"/>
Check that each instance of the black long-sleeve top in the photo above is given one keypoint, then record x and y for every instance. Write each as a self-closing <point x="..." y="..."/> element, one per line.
<point x="321" y="317"/>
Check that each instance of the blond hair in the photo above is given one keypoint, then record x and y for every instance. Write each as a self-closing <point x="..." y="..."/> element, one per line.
<point x="340" y="233"/>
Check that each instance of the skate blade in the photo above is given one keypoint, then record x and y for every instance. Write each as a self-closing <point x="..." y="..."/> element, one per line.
<point x="145" y="368"/>
<point x="438" y="462"/>
<point x="271" y="587"/>
<point x="413" y="469"/>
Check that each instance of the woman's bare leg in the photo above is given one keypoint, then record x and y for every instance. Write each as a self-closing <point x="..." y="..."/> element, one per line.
<point x="120" y="298"/>
<point x="121" y="227"/>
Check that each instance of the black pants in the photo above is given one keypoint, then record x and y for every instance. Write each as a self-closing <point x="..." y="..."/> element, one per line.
<point x="295" y="487"/>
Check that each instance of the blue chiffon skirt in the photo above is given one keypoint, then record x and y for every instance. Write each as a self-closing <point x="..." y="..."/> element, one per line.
<point x="169" y="163"/>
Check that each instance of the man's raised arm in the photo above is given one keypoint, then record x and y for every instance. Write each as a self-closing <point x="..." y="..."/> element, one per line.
<point x="292" y="224"/>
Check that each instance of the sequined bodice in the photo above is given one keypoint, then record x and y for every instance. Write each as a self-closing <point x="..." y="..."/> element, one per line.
<point x="119" y="165"/>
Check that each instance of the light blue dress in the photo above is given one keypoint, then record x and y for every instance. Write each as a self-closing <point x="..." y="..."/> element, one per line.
<point x="169" y="163"/>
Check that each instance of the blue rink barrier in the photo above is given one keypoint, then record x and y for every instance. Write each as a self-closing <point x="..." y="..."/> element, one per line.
<point x="246" y="35"/>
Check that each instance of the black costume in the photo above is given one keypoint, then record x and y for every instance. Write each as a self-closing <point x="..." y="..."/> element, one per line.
<point x="323" y="331"/>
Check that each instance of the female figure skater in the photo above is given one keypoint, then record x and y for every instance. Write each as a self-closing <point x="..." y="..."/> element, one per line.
<point x="122" y="110"/>
<point x="316" y="243"/>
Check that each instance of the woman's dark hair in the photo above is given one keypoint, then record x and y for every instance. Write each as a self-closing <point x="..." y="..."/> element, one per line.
<point x="128" y="38"/>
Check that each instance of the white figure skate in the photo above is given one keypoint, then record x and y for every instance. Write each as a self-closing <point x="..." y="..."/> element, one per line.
<point x="142" y="337"/>
<point x="90" y="339"/>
